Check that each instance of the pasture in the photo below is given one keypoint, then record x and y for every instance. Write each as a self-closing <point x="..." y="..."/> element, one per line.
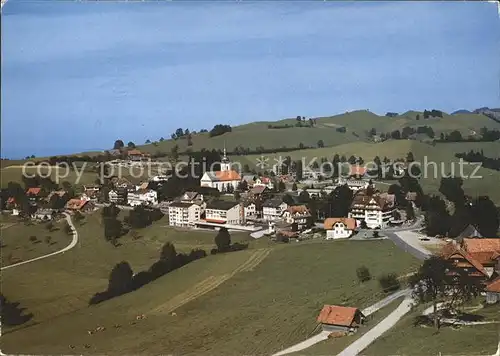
<point x="255" y="301"/>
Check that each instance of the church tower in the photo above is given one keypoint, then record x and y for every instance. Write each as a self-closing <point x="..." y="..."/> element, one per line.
<point x="225" y="165"/>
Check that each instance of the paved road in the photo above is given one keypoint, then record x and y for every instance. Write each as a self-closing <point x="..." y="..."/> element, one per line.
<point x="67" y="248"/>
<point x="409" y="244"/>
<point x="364" y="341"/>
<point x="323" y="335"/>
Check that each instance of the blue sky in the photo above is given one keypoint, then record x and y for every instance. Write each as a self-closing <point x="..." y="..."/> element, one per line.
<point x="77" y="76"/>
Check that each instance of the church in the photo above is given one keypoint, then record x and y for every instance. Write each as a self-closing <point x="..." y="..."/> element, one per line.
<point x="222" y="179"/>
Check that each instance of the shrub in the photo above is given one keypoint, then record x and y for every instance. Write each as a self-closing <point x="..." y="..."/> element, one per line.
<point x="389" y="282"/>
<point x="376" y="234"/>
<point x="363" y="274"/>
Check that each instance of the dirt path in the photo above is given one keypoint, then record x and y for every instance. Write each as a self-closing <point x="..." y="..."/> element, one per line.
<point x="73" y="243"/>
<point x="211" y="283"/>
<point x="6" y="226"/>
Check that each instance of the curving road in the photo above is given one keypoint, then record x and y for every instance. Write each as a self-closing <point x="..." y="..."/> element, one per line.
<point x="323" y="335"/>
<point x="67" y="248"/>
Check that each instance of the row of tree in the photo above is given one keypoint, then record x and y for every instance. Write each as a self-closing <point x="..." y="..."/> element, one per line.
<point x="479" y="157"/>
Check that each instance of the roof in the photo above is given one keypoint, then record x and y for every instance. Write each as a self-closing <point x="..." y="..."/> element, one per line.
<point x="221" y="204"/>
<point x="493" y="286"/>
<point x="381" y="200"/>
<point x="59" y="193"/>
<point x="181" y="205"/>
<point x="76" y="204"/>
<point x="350" y="223"/>
<point x="481" y="245"/>
<point x="44" y="211"/>
<point x="356" y="170"/>
<point x="298" y="209"/>
<point x="469" y="231"/>
<point x="337" y="315"/>
<point x="190" y="195"/>
<point x="143" y="186"/>
<point x="227" y="175"/>
<point x="134" y="152"/>
<point x="33" y="191"/>
<point x="248" y="177"/>
<point x="272" y="203"/>
<point x="218" y="221"/>
<point x="483" y="250"/>
<point x="451" y="249"/>
<point x="258" y="189"/>
<point x="411" y="196"/>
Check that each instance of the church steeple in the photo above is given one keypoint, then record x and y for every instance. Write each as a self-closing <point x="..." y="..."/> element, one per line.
<point x="225" y="164"/>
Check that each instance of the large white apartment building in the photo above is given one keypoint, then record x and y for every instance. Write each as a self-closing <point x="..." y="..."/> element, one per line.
<point x="272" y="209"/>
<point x="224" y="212"/>
<point x="376" y="210"/>
<point x="142" y="197"/>
<point x="183" y="214"/>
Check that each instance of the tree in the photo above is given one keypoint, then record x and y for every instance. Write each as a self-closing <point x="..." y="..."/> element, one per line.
<point x="410" y="212"/>
<point x="301" y="146"/>
<point x="434" y="282"/>
<point x="174" y="153"/>
<point x="179" y="132"/>
<point x="118" y="145"/>
<point x="389" y="282"/>
<point x="237" y="195"/>
<point x="168" y="252"/>
<point x="396" y="135"/>
<point x="294" y="186"/>
<point x="363" y="274"/>
<point x="223" y="240"/>
<point x="352" y="160"/>
<point x="281" y="186"/>
<point x="288" y="199"/>
<point x="321" y="144"/>
<point x="148" y="141"/>
<point x="410" y="157"/>
<point x="376" y="234"/>
<point x="485" y="216"/>
<point x="304" y="197"/>
<point x="451" y="188"/>
<point x="373" y="131"/>
<point x="161" y="139"/>
<point x="131" y="145"/>
<point x="120" y="279"/>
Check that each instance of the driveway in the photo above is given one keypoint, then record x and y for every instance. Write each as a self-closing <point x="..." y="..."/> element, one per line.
<point x="323" y="335"/>
<point x="73" y="243"/>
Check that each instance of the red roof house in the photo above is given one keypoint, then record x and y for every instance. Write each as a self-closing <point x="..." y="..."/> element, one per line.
<point x="338" y="318"/>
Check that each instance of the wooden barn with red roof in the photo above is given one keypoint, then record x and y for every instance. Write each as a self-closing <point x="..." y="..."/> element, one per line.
<point x="338" y="318"/>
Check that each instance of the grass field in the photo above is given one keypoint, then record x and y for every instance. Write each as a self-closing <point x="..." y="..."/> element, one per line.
<point x="16" y="243"/>
<point x="335" y="346"/>
<point x="255" y="301"/>
<point x="443" y="154"/>
<point x="405" y="339"/>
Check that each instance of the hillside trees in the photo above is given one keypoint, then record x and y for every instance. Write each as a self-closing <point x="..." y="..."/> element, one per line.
<point x="118" y="145"/>
<point x="218" y="130"/>
<point x="223" y="240"/>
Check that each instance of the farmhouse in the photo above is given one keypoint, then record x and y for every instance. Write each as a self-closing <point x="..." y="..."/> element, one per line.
<point x="79" y="205"/>
<point x="34" y="194"/>
<point x="224" y="212"/>
<point x="493" y="291"/>
<point x="223" y="180"/>
<point x="183" y="214"/>
<point x="339" y="228"/>
<point x="142" y="197"/>
<point x="137" y="156"/>
<point x="485" y="251"/>
<point x="297" y="215"/>
<point x="375" y="210"/>
<point x="461" y="259"/>
<point x="250" y="210"/>
<point x="263" y="182"/>
<point x="118" y="196"/>
<point x="259" y="191"/>
<point x="43" y="214"/>
<point x="338" y="318"/>
<point x="272" y="209"/>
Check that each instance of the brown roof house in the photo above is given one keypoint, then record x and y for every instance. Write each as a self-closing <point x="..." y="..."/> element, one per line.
<point x="486" y="251"/>
<point x="339" y="228"/>
<point x="337" y="318"/>
<point x="299" y="216"/>
<point x="493" y="291"/>
<point x="464" y="261"/>
<point x="79" y="205"/>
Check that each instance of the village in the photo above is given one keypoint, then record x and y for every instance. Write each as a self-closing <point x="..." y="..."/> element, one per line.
<point x="273" y="206"/>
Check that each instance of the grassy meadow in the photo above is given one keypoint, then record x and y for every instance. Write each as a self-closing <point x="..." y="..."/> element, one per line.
<point x="406" y="339"/>
<point x="255" y="301"/>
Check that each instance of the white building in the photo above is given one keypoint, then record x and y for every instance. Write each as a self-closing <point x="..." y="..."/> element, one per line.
<point x="376" y="210"/>
<point x="353" y="183"/>
<point x="142" y="197"/>
<point x="272" y="209"/>
<point x="299" y="215"/>
<point x="339" y="228"/>
<point x="183" y="214"/>
<point x="250" y="210"/>
<point x="263" y="182"/>
<point x="224" y="212"/>
<point x="223" y="179"/>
